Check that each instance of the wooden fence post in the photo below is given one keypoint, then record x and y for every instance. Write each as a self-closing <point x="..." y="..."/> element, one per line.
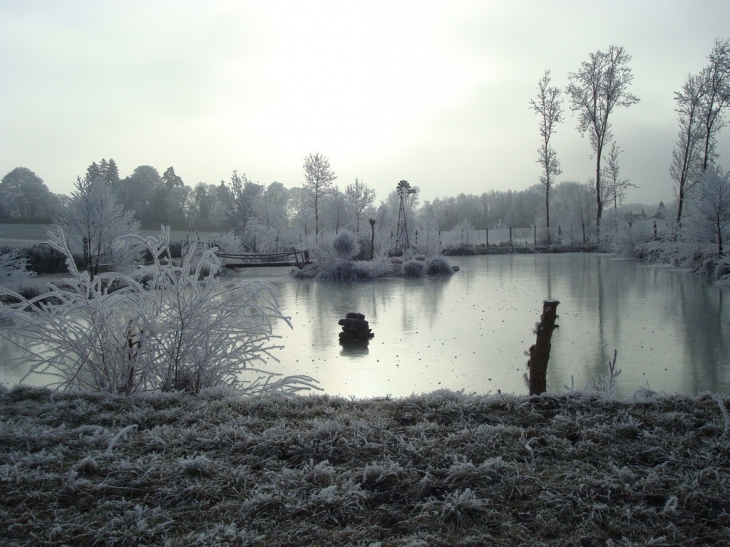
<point x="540" y="352"/>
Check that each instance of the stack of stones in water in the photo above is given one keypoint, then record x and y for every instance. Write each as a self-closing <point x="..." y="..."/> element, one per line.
<point x="355" y="328"/>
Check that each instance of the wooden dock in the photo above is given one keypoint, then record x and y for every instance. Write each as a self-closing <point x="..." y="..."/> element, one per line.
<point x="296" y="259"/>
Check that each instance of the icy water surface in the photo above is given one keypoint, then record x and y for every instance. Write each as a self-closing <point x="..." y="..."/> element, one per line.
<point x="471" y="331"/>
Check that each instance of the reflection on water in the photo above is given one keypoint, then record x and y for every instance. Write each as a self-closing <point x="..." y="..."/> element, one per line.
<point x="471" y="331"/>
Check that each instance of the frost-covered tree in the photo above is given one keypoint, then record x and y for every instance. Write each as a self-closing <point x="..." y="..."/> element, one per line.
<point x="93" y="222"/>
<point x="300" y="210"/>
<point x="245" y="198"/>
<point x="360" y="196"/>
<point x="427" y="242"/>
<point x="318" y="179"/>
<point x="614" y="184"/>
<point x="337" y="211"/>
<point x="710" y="211"/>
<point x="596" y="90"/>
<point x="274" y="206"/>
<point x="548" y="105"/>
<point x="463" y="228"/>
<point x="715" y="99"/>
<point x="686" y="164"/>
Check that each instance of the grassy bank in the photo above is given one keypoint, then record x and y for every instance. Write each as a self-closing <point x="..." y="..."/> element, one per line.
<point x="438" y="469"/>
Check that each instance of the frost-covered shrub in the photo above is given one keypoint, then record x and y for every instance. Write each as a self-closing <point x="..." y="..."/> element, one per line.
<point x="438" y="265"/>
<point x="414" y="268"/>
<point x="14" y="274"/>
<point x="42" y="258"/>
<point x="630" y="240"/>
<point x="260" y="238"/>
<point x="345" y="270"/>
<point x="721" y="274"/>
<point x="322" y="251"/>
<point x="342" y="270"/>
<point x="177" y="330"/>
<point x="345" y="244"/>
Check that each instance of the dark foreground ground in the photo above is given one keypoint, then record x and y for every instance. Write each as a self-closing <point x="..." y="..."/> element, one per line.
<point x="439" y="469"/>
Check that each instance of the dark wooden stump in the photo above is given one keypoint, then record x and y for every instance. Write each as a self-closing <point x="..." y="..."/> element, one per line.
<point x="355" y="329"/>
<point x="540" y="352"/>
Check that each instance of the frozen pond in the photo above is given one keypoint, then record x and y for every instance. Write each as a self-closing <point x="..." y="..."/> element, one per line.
<point x="471" y="331"/>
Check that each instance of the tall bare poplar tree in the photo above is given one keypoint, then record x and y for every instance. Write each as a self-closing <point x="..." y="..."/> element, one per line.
<point x="701" y="104"/>
<point x="595" y="91"/>
<point x="614" y="186"/>
<point x="716" y="78"/>
<point x="548" y="105"/>
<point x="685" y="169"/>
<point x="318" y="179"/>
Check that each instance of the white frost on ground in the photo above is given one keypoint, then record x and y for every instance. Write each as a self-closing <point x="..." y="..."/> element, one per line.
<point x="439" y="469"/>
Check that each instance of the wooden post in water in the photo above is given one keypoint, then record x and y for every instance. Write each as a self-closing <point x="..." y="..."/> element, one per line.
<point x="540" y="352"/>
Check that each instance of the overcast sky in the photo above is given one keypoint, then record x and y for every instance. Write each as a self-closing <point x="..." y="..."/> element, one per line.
<point x="436" y="93"/>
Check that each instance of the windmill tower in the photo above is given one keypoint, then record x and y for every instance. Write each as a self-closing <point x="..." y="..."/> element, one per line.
<point x="404" y="190"/>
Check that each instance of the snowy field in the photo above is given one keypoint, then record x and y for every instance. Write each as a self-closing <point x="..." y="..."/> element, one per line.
<point x="439" y="469"/>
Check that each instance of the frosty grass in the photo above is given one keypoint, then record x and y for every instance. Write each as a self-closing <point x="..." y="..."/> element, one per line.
<point x="445" y="468"/>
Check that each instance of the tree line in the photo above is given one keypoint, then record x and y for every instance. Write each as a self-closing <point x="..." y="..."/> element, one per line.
<point x="243" y="205"/>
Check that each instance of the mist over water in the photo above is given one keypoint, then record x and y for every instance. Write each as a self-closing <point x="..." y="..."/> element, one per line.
<point x="471" y="331"/>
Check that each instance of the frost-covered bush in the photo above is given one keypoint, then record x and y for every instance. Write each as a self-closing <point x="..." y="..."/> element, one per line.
<point x="345" y="244"/>
<point x="176" y="330"/>
<point x="14" y="274"/>
<point x="414" y="268"/>
<point x="41" y="258"/>
<point x="630" y="240"/>
<point x="345" y="270"/>
<point x="260" y="238"/>
<point x="721" y="274"/>
<point x="224" y="243"/>
<point x="438" y="265"/>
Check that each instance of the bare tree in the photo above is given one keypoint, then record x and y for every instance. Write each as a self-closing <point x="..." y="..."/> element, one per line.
<point x="615" y="186"/>
<point x="686" y="156"/>
<point x="700" y="104"/>
<point x="716" y="78"/>
<point x="596" y="90"/>
<point x="318" y="179"/>
<point x="548" y="105"/>
<point x="360" y="196"/>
